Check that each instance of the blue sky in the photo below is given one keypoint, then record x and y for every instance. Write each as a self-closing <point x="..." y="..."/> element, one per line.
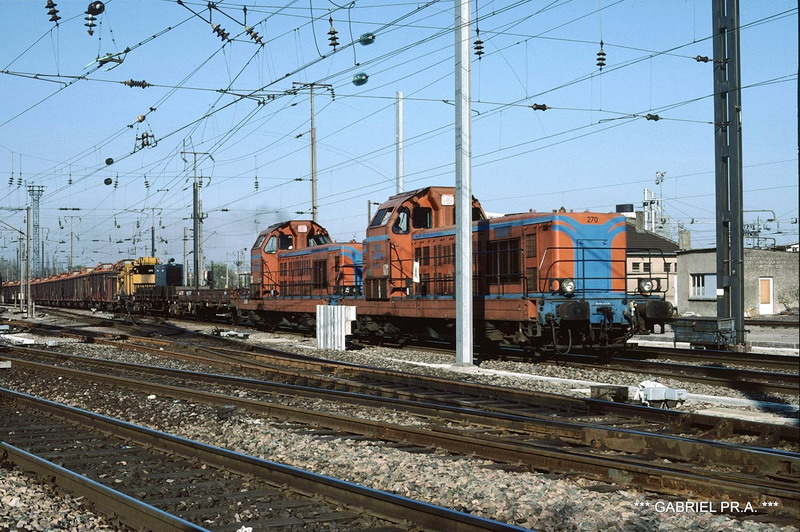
<point x="64" y="114"/>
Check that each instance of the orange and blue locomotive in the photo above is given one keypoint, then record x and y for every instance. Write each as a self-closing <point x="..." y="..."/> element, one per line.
<point x="541" y="281"/>
<point x="294" y="267"/>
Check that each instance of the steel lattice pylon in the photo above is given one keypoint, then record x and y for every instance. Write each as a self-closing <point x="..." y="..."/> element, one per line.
<point x="37" y="267"/>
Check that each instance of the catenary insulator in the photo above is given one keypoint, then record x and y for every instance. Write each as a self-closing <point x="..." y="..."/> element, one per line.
<point x="478" y="48"/>
<point x="334" y="42"/>
<point x="133" y="83"/>
<point x="601" y="57"/>
<point x="702" y="59"/>
<point x="655" y="118"/>
<point x="90" y="24"/>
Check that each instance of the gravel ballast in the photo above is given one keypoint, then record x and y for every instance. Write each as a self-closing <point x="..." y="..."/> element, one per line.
<point x="474" y="485"/>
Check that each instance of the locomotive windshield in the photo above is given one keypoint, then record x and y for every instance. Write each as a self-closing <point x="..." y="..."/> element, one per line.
<point x="381" y="217"/>
<point x="318" y="240"/>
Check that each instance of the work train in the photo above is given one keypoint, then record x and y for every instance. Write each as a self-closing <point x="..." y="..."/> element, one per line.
<point x="541" y="281"/>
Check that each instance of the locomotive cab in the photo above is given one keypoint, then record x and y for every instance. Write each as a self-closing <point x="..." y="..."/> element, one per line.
<point x="298" y="259"/>
<point x="394" y="265"/>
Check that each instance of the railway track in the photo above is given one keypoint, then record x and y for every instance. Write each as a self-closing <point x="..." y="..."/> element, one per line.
<point x="600" y="452"/>
<point x="153" y="480"/>
<point x="788" y="363"/>
<point x="745" y="380"/>
<point x="777" y="374"/>
<point x="306" y="370"/>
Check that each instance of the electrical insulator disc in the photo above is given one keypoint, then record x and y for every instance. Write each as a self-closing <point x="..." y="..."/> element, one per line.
<point x="367" y="39"/>
<point x="108" y="181"/>
<point x="109" y="161"/>
<point x="140" y="118"/>
<point x="360" y="79"/>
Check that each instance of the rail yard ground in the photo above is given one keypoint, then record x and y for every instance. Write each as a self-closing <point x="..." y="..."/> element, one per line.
<point x="497" y="491"/>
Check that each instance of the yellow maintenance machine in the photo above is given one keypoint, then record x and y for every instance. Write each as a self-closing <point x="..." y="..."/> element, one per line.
<point x="135" y="273"/>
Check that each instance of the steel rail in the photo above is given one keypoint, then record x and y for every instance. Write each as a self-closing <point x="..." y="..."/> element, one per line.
<point x="278" y="364"/>
<point x="393" y="507"/>
<point x="673" y="479"/>
<point x="681" y="448"/>
<point x="734" y="378"/>
<point x="132" y="512"/>
<point x="755" y="360"/>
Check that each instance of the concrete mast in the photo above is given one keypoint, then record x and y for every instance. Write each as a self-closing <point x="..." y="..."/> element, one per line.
<point x="463" y="274"/>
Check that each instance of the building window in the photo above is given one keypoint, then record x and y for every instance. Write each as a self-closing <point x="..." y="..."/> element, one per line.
<point x="646" y="267"/>
<point x="704" y="285"/>
<point x="667" y="267"/>
<point x="635" y="266"/>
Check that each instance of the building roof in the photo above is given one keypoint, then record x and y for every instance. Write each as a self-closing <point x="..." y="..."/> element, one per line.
<point x="645" y="240"/>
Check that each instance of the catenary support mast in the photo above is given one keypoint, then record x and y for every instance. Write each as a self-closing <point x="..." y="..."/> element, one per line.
<point x="463" y="273"/>
<point x="728" y="156"/>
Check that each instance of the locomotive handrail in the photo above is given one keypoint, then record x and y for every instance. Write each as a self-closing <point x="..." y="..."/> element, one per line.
<point x="583" y="259"/>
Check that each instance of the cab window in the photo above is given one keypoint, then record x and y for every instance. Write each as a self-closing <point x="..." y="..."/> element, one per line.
<point x="381" y="217"/>
<point x="422" y="218"/>
<point x="259" y="241"/>
<point x="318" y="240"/>
<point x="401" y="223"/>
<point x="286" y="242"/>
<point x="272" y="245"/>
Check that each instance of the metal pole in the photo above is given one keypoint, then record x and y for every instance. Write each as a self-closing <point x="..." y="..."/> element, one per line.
<point x="728" y="155"/>
<point x="313" y="135"/>
<point x="399" y="141"/>
<point x="197" y="218"/>
<point x="185" y="280"/>
<point x="313" y="159"/>
<point x="196" y="229"/>
<point x="463" y="187"/>
<point x="28" y="294"/>
<point x="71" y="235"/>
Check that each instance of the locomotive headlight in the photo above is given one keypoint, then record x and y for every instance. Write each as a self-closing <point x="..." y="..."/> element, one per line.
<point x="647" y="285"/>
<point x="568" y="286"/>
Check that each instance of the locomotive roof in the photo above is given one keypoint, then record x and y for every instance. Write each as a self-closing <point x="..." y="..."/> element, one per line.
<point x="404" y="196"/>
<point x="287" y="223"/>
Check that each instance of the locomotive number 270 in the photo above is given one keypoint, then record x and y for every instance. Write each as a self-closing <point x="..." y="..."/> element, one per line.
<point x="592" y="219"/>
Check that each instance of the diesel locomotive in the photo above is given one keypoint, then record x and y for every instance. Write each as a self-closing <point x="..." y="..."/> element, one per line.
<point x="542" y="282"/>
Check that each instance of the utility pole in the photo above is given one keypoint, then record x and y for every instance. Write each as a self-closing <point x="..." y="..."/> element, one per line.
<point x="197" y="216"/>
<point x="36" y="192"/>
<point x="313" y="135"/>
<point x="28" y="294"/>
<point x="399" y="142"/>
<point x="152" y="228"/>
<point x="71" y="239"/>
<point x="185" y="280"/>
<point x="728" y="155"/>
<point x="464" y="330"/>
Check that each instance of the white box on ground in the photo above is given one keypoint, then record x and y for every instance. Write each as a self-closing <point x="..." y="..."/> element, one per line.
<point x="334" y="323"/>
